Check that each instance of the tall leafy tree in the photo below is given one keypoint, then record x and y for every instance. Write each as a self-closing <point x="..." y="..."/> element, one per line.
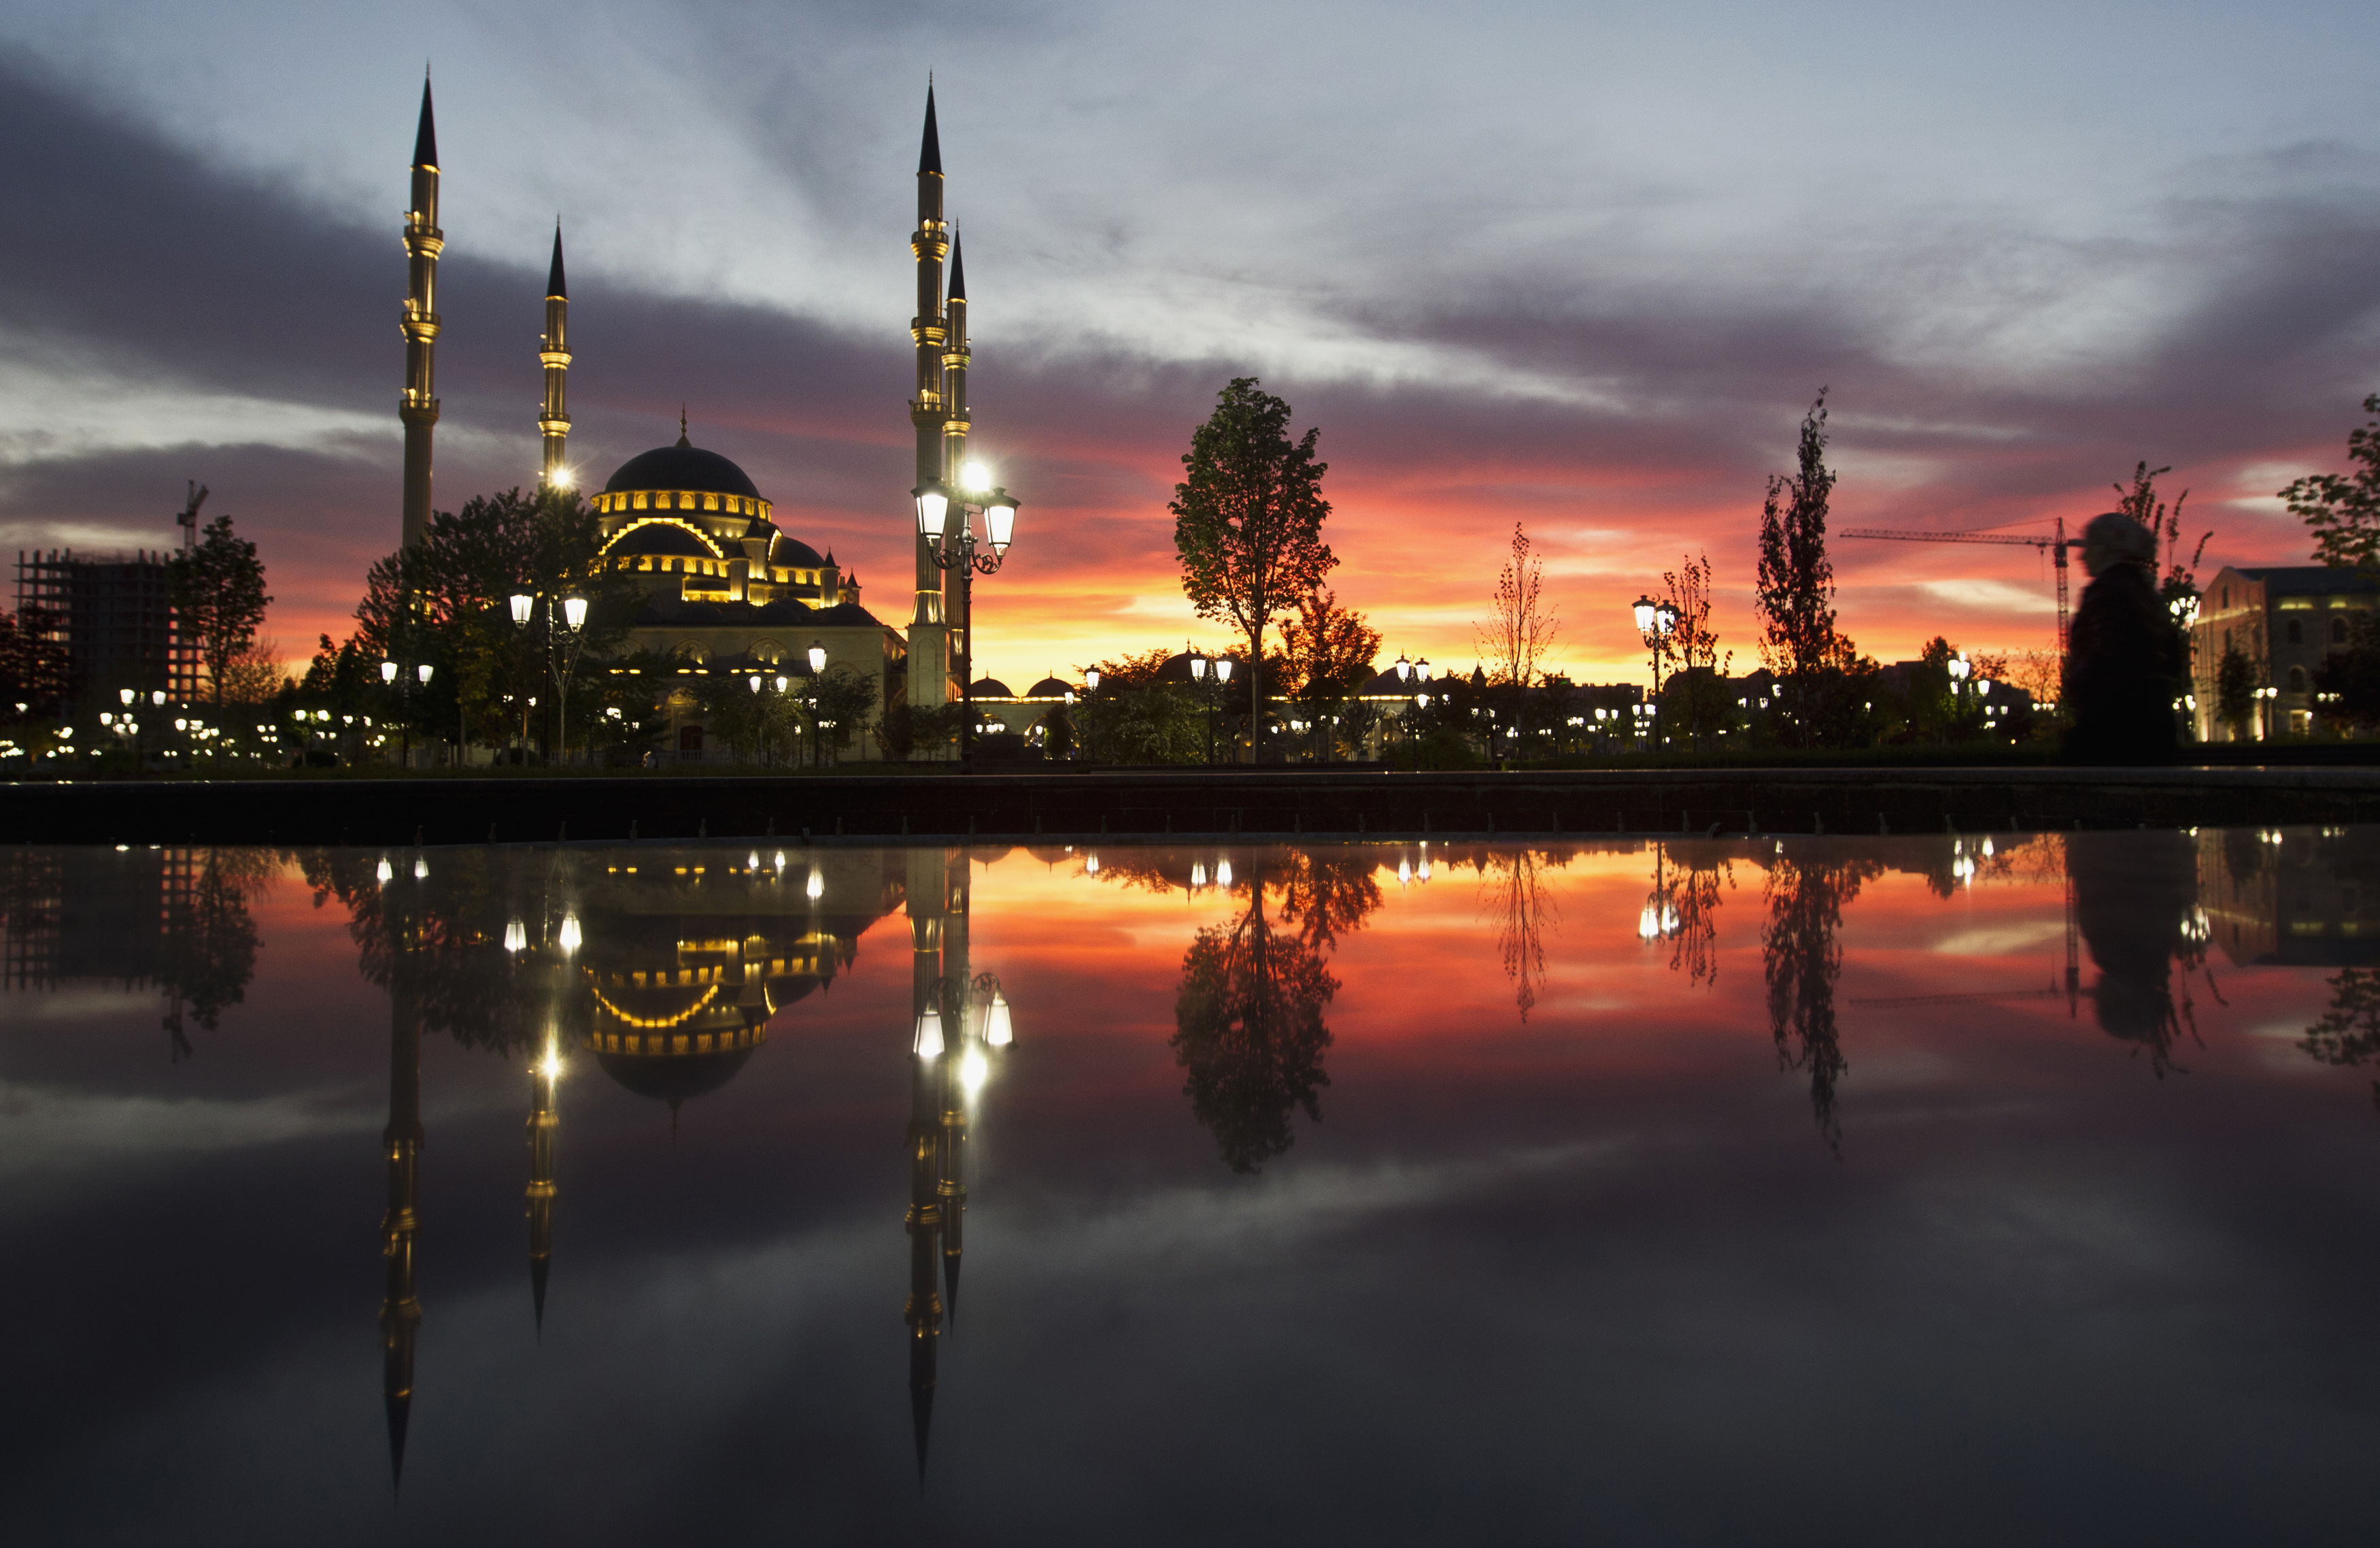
<point x="2342" y="510"/>
<point x="32" y="665"/>
<point x="217" y="587"/>
<point x="1247" y="521"/>
<point x="1796" y="595"/>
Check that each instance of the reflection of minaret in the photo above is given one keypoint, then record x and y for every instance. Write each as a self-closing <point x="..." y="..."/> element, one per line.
<point x="959" y="1001"/>
<point x="553" y="353"/>
<point x="400" y="1313"/>
<point x="928" y="643"/>
<point x="924" y="1310"/>
<point x="542" y="1121"/>
<point x="418" y="408"/>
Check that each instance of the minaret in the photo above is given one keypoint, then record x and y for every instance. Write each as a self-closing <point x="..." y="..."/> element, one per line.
<point x="419" y="408"/>
<point x="928" y="639"/>
<point x="553" y="353"/>
<point x="400" y="1310"/>
<point x="542" y="1122"/>
<point x="955" y="358"/>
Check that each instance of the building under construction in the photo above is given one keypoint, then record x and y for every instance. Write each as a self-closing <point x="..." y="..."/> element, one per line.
<point x="111" y="619"/>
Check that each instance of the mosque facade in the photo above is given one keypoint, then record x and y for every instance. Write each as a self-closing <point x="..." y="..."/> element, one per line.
<point x="722" y="588"/>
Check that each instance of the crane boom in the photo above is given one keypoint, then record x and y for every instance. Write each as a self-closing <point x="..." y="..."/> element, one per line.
<point x="2057" y="543"/>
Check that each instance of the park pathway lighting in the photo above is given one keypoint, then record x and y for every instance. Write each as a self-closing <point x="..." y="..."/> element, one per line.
<point x="565" y="625"/>
<point x="394" y="674"/>
<point x="1656" y="621"/>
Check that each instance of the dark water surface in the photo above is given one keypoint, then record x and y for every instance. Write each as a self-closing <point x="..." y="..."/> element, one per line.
<point x="1915" y="1189"/>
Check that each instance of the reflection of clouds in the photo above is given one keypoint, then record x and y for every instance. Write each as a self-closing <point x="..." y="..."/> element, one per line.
<point x="2001" y="940"/>
<point x="45" y="1131"/>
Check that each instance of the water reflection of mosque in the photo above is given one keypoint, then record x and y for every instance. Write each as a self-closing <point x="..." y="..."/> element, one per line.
<point x="672" y="965"/>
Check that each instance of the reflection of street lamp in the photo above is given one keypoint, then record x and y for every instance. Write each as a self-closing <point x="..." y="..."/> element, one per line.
<point x="957" y="551"/>
<point x="1659" y="916"/>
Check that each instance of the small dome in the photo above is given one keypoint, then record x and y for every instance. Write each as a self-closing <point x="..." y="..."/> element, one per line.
<point x="674" y="1078"/>
<point x="795" y="552"/>
<point x="1049" y="687"/>
<point x="681" y="466"/>
<point x="990" y="687"/>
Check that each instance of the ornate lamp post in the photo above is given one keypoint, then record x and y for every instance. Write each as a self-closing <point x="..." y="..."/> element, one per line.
<point x="561" y="656"/>
<point x="760" y="682"/>
<point x="1655" y="620"/>
<point x="402" y="681"/>
<point x="957" y="551"/>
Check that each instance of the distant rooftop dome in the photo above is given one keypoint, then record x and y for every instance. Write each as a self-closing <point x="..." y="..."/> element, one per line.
<point x="1049" y="687"/>
<point x="682" y="467"/>
<point x="990" y="687"/>
<point x="795" y="552"/>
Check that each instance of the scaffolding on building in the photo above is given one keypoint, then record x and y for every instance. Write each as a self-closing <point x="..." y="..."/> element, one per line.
<point x="111" y="619"/>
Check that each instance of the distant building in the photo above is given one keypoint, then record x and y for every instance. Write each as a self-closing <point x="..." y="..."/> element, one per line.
<point x="2287" y="620"/>
<point x="112" y="617"/>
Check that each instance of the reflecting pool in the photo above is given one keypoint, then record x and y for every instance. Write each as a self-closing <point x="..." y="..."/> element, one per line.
<point x="1967" y="1188"/>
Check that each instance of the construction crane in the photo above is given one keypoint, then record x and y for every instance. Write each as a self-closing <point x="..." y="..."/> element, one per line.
<point x="187" y="518"/>
<point x="2058" y="542"/>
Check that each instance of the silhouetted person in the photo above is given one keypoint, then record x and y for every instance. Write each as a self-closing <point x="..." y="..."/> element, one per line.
<point x="2124" y="652"/>
<point x="2133" y="894"/>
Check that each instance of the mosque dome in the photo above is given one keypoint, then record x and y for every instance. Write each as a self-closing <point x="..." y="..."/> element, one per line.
<point x="1049" y="688"/>
<point x="682" y="467"/>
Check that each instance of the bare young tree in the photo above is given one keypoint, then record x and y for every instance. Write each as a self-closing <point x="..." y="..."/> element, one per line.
<point x="1691" y="643"/>
<point x="1515" y="643"/>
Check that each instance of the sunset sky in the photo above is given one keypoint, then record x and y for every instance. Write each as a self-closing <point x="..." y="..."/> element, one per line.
<point x="1580" y="266"/>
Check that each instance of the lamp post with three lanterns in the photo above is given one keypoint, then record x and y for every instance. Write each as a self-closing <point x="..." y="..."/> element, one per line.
<point x="957" y="551"/>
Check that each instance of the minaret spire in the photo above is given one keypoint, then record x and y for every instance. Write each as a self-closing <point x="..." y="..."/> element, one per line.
<point x="928" y="639"/>
<point x="418" y="407"/>
<point x="553" y="353"/>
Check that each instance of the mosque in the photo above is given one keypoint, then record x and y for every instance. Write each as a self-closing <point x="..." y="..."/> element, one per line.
<point x="724" y="590"/>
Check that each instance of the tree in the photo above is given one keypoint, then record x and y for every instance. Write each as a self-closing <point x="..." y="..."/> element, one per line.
<point x="1138" y="716"/>
<point x="2342" y="510"/>
<point x="1796" y="596"/>
<point x="2235" y="692"/>
<point x="1247" y="521"/>
<point x="217" y="589"/>
<point x="1695" y="691"/>
<point x="1328" y="651"/>
<point x="1525" y="627"/>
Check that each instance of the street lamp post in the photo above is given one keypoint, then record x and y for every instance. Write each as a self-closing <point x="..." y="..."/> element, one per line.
<point x="759" y="682"/>
<point x="572" y="626"/>
<point x="1655" y="620"/>
<point x="957" y="551"/>
<point x="402" y="681"/>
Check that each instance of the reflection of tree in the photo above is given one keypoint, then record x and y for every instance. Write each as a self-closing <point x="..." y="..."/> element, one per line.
<point x="1694" y="898"/>
<point x="470" y="986"/>
<point x="1250" y="1030"/>
<point x="209" y="948"/>
<point x="1325" y="894"/>
<point x="2348" y="1032"/>
<point x="1801" y="959"/>
<point x="1511" y="883"/>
